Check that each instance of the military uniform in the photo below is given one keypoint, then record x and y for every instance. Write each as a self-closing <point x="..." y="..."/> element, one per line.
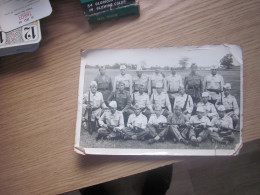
<point x="230" y="104"/>
<point x="143" y="102"/>
<point x="157" y="80"/>
<point x="194" y="86"/>
<point x="126" y="79"/>
<point x="209" y="108"/>
<point x="213" y="82"/>
<point x="108" y="121"/>
<point x="104" y="85"/>
<point x="163" y="100"/>
<point x="197" y="131"/>
<point x="178" y="128"/>
<point x="180" y="101"/>
<point x="218" y="123"/>
<point x="136" y="126"/>
<point x="144" y="80"/>
<point x="155" y="128"/>
<point x="173" y="84"/>
<point x="123" y="100"/>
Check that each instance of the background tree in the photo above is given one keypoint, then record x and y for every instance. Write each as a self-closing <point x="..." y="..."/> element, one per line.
<point x="184" y="62"/>
<point x="227" y="61"/>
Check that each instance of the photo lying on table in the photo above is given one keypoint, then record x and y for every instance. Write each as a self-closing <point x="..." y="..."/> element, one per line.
<point x="161" y="101"/>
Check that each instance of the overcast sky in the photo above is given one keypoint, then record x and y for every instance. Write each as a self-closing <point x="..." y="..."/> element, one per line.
<point x="167" y="56"/>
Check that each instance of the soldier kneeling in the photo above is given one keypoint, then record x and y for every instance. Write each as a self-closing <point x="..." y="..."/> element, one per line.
<point x="111" y="122"/>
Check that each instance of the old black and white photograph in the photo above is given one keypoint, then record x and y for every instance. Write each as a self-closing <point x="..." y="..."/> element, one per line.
<point x="161" y="101"/>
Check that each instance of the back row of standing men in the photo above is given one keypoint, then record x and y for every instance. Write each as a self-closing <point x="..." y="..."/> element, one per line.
<point x="168" y="92"/>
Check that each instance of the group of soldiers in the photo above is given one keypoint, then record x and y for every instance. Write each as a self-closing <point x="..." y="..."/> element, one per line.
<point x="160" y="107"/>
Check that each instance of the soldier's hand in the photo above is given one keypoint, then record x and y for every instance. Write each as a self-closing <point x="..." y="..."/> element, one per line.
<point x="88" y="106"/>
<point x="105" y="125"/>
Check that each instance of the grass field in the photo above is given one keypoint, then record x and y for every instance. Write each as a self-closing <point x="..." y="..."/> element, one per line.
<point x="86" y="140"/>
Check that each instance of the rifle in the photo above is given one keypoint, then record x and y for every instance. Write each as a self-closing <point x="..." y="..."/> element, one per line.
<point x="139" y="129"/>
<point x="217" y="91"/>
<point x="229" y="110"/>
<point x="227" y="131"/>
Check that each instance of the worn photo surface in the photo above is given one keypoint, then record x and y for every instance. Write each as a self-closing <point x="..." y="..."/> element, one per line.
<point x="161" y="101"/>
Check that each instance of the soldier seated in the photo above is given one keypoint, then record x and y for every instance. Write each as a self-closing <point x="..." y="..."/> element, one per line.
<point x="199" y="127"/>
<point x="93" y="103"/>
<point x="178" y="126"/>
<point x="136" y="125"/>
<point x="111" y="123"/>
<point x="161" y="98"/>
<point x="230" y="104"/>
<point x="141" y="99"/>
<point x="222" y="128"/>
<point x="157" y="126"/>
<point x="184" y="101"/>
<point x="209" y="108"/>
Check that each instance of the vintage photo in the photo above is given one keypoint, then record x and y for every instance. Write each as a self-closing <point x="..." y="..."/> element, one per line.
<point x="161" y="101"/>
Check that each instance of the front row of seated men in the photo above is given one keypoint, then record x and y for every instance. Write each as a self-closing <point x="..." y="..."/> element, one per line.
<point x="177" y="127"/>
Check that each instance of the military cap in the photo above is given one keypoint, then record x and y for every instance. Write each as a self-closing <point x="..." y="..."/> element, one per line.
<point x="122" y="67"/>
<point x="227" y="86"/>
<point x="221" y="108"/>
<point x="113" y="104"/>
<point x="93" y="83"/>
<point x="205" y="94"/>
<point x="200" y="109"/>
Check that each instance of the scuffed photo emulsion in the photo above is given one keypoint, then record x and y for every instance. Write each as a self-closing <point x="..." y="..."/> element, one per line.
<point x="161" y="101"/>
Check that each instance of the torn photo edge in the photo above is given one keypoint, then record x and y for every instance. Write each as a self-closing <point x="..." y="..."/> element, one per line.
<point x="171" y="152"/>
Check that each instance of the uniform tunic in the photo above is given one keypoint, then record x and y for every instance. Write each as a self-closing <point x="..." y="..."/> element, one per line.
<point x="199" y="132"/>
<point x="229" y="102"/>
<point x="123" y="99"/>
<point x="194" y="86"/>
<point x="213" y="82"/>
<point x="104" y="85"/>
<point x="144" y="79"/>
<point x="173" y="84"/>
<point x="127" y="79"/>
<point x="142" y="100"/>
<point x="157" y="79"/>
<point x="162" y="99"/>
<point x="180" y="101"/>
<point x="96" y="101"/>
<point x="209" y="109"/>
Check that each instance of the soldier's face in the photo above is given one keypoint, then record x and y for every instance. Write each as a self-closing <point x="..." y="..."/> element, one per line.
<point x="137" y="111"/>
<point x="102" y="71"/>
<point x="221" y="114"/>
<point x="139" y="73"/>
<point x="93" y="89"/>
<point x="193" y="69"/>
<point x="159" y="90"/>
<point x="226" y="91"/>
<point x="173" y="71"/>
<point x="141" y="89"/>
<point x="157" y="112"/>
<point x="122" y="71"/>
<point x="213" y="71"/>
<point x="205" y="99"/>
<point x="199" y="114"/>
<point x="181" y="91"/>
<point x="113" y="110"/>
<point x="121" y="87"/>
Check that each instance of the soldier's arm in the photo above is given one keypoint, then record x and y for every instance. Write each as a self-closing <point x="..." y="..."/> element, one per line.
<point x="205" y="84"/>
<point x="165" y="85"/>
<point x="110" y="84"/>
<point x="190" y="104"/>
<point x="144" y="123"/>
<point x="235" y="106"/>
<point x="130" y="121"/>
<point x="111" y="97"/>
<point x="128" y="103"/>
<point x="221" y="82"/>
<point x="213" y="111"/>
<point x="130" y="84"/>
<point x="101" y="120"/>
<point x="103" y="105"/>
<point x="121" y="122"/>
<point x="114" y="86"/>
<point x="168" y="103"/>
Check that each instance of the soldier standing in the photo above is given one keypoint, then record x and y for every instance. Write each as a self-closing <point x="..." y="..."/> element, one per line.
<point x="123" y="77"/>
<point x="222" y="122"/>
<point x="156" y="126"/>
<point x="178" y="127"/>
<point x="230" y="104"/>
<point x="123" y="99"/>
<point x="111" y="122"/>
<point x="104" y="83"/>
<point x="139" y="79"/>
<point x="92" y="100"/>
<point x="141" y="99"/>
<point x="136" y="125"/>
<point x="209" y="108"/>
<point x="174" y="81"/>
<point x="213" y="83"/>
<point x="161" y="98"/>
<point x="184" y="101"/>
<point x="199" y="127"/>
<point x="157" y="79"/>
<point x="193" y="84"/>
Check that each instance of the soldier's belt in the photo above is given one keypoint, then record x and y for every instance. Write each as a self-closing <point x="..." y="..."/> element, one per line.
<point x="229" y="110"/>
<point x="172" y="92"/>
